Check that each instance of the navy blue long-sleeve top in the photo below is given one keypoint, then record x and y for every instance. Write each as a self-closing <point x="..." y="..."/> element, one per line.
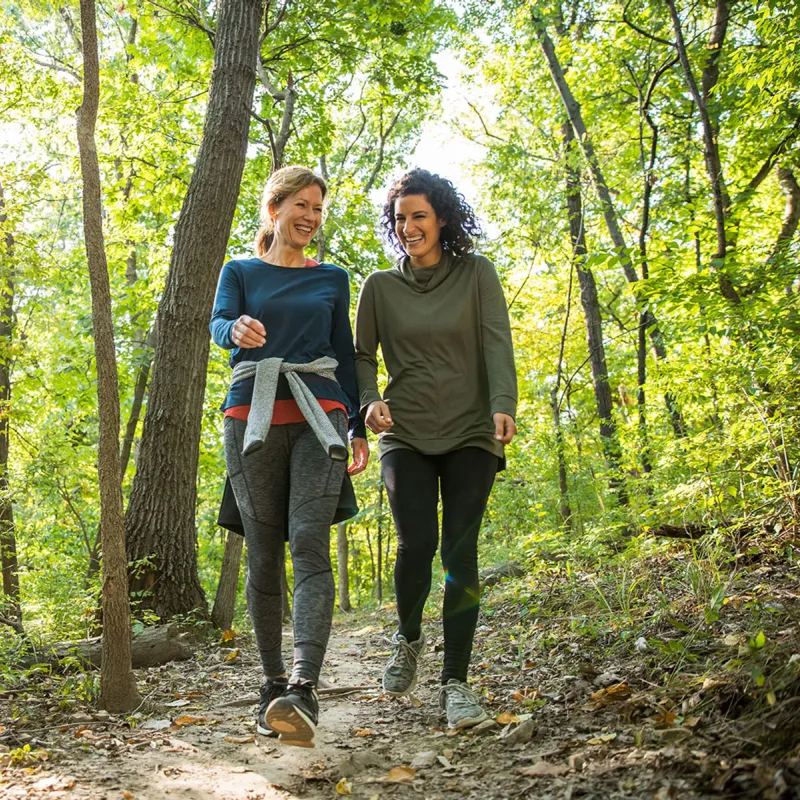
<point x="306" y="315"/>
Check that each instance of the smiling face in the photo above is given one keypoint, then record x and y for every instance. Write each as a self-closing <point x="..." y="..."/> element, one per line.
<point x="418" y="229"/>
<point x="298" y="217"/>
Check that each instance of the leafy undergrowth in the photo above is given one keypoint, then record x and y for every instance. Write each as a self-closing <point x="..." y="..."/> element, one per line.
<point x="658" y="671"/>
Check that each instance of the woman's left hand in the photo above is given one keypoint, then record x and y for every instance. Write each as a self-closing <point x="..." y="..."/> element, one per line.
<point x="504" y="427"/>
<point x="360" y="456"/>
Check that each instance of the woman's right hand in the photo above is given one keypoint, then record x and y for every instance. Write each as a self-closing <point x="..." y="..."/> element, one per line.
<point x="248" y="332"/>
<point x="378" y="418"/>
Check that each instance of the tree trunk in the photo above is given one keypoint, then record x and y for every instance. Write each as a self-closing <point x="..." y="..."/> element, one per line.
<point x="379" y="575"/>
<point x="117" y="685"/>
<point x="161" y="511"/>
<point x="555" y="406"/>
<point x="721" y="199"/>
<point x="8" y="539"/>
<point x="594" y="325"/>
<point x="225" y="601"/>
<point x="342" y="552"/>
<point x="791" y="216"/>
<point x="575" y="116"/>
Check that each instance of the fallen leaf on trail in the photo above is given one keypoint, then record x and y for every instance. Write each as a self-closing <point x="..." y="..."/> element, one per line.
<point x="427" y="758"/>
<point x="525" y="694"/>
<point x="54" y="783"/>
<point x="507" y="718"/>
<point x="713" y="683"/>
<point x="179" y="703"/>
<point x="544" y="769"/>
<point x="156" y="724"/>
<point x="127" y="795"/>
<point x="399" y="775"/>
<point x="415" y="701"/>
<point x="604" y="739"/>
<point x="240" y="770"/>
<point x="239" y="739"/>
<point x="83" y="731"/>
<point x="611" y="694"/>
<point x="228" y="636"/>
<point x="344" y="787"/>
<point x="233" y="654"/>
<point x="364" y="732"/>
<point x="665" y="719"/>
<point x="188" y="719"/>
<point x="692" y="722"/>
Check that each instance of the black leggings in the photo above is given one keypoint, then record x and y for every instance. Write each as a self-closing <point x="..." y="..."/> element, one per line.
<point x="412" y="484"/>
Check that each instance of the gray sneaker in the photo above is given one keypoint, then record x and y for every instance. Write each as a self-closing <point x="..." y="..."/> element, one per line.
<point x="461" y="705"/>
<point x="400" y="675"/>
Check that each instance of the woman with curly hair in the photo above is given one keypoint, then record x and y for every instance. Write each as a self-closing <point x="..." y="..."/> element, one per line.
<point x="443" y="421"/>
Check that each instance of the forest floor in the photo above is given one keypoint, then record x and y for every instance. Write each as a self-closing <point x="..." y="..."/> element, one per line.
<point x="632" y="682"/>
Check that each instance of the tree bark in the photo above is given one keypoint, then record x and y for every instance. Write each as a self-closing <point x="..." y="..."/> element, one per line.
<point x="162" y="505"/>
<point x="791" y="216"/>
<point x="8" y="539"/>
<point x="575" y="117"/>
<point x="594" y="324"/>
<point x="342" y="553"/>
<point x="117" y="685"/>
<point x="225" y="600"/>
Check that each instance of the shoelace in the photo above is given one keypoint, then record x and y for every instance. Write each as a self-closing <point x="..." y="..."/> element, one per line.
<point x="397" y="646"/>
<point x="457" y="688"/>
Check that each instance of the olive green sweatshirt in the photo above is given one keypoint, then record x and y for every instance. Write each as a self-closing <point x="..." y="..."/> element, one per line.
<point x="446" y="343"/>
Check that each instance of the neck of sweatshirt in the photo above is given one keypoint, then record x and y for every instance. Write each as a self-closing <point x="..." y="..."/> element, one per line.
<point x="443" y="269"/>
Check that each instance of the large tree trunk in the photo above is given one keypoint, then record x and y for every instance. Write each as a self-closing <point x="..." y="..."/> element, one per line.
<point x="225" y="601"/>
<point x="594" y="325"/>
<point x="117" y="685"/>
<point x="575" y="117"/>
<point x="342" y="553"/>
<point x="8" y="539"/>
<point x="162" y="505"/>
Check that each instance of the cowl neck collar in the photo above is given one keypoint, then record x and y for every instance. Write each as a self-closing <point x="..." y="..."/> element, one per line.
<point x="443" y="269"/>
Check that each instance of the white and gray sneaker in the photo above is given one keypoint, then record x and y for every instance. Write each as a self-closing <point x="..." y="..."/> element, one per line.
<point x="458" y="701"/>
<point x="400" y="674"/>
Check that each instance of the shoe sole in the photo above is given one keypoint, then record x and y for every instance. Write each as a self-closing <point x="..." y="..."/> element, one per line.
<point x="470" y="722"/>
<point x="293" y="726"/>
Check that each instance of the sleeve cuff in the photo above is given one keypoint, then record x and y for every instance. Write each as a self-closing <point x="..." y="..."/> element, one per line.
<point x="368" y="396"/>
<point x="504" y="404"/>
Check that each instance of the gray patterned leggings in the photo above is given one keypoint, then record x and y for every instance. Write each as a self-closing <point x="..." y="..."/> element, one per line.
<point x="290" y="482"/>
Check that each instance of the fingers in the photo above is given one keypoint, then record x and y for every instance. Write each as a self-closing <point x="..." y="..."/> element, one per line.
<point x="248" y="332"/>
<point x="504" y="428"/>
<point x="379" y="418"/>
<point x="360" y="456"/>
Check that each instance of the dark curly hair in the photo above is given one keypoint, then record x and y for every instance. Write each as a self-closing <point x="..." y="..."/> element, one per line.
<point x="461" y="228"/>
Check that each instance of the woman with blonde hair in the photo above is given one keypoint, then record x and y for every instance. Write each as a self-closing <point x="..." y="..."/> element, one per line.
<point x="291" y="403"/>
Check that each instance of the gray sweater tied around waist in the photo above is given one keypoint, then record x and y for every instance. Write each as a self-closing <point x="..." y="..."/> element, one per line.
<point x="266" y="374"/>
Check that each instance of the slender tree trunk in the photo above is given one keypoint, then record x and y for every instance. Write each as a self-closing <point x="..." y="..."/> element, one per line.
<point x="379" y="577"/>
<point x="225" y="600"/>
<point x="8" y="539"/>
<point x="575" y="117"/>
<point x="117" y="684"/>
<point x="555" y="407"/>
<point x="162" y="505"/>
<point x="791" y="217"/>
<point x="710" y="126"/>
<point x="594" y="325"/>
<point x="342" y="552"/>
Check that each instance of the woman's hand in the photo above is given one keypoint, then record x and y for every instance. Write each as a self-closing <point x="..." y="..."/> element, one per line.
<point x="504" y="427"/>
<point x="248" y="332"/>
<point x="360" y="449"/>
<point x="379" y="418"/>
